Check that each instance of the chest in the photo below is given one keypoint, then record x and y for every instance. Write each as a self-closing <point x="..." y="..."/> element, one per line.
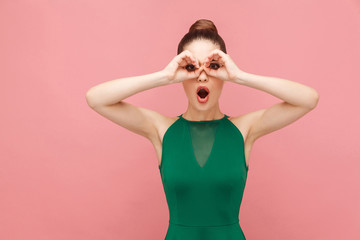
<point x="201" y="148"/>
<point x="204" y="144"/>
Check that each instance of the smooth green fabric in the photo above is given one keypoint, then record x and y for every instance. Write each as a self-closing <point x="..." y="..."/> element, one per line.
<point x="203" y="171"/>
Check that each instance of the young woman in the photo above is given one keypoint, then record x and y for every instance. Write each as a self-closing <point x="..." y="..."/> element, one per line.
<point x="203" y="154"/>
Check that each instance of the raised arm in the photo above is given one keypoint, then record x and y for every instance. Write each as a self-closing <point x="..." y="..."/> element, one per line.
<point x="298" y="99"/>
<point x="107" y="98"/>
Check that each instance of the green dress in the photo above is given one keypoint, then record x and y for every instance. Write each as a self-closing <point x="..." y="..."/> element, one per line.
<point x="203" y="172"/>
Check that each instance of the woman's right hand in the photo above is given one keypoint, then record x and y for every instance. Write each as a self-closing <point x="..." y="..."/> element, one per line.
<point x="183" y="66"/>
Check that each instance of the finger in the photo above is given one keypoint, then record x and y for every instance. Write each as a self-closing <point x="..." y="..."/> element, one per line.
<point x="213" y="61"/>
<point x="208" y="60"/>
<point x="220" y="53"/>
<point x="189" y="56"/>
<point x="209" y="71"/>
<point x="182" y="62"/>
<point x="206" y="70"/>
<point x="195" y="73"/>
<point x="195" y="62"/>
<point x="191" y="60"/>
<point x="213" y="72"/>
<point x="221" y="60"/>
<point x="213" y="57"/>
<point x="181" y="58"/>
<point x="217" y="55"/>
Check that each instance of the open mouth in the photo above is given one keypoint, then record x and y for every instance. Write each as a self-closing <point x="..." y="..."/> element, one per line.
<point x="202" y="91"/>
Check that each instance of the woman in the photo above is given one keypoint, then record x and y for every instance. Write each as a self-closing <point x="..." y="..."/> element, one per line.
<point x="203" y="154"/>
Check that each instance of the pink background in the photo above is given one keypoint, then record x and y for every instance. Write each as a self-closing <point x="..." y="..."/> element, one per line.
<point x="66" y="172"/>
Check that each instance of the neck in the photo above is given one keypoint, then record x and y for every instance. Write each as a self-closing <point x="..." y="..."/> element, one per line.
<point x="195" y="114"/>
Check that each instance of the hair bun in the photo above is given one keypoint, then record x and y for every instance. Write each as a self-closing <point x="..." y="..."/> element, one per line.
<point x="203" y="24"/>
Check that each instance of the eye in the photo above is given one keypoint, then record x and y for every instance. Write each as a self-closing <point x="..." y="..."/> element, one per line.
<point x="214" y="66"/>
<point x="190" y="67"/>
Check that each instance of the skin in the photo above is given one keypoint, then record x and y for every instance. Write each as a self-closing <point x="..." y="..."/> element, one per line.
<point x="197" y="111"/>
<point x="107" y="98"/>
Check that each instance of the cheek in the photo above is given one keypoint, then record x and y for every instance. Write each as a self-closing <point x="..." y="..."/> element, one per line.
<point x="187" y="88"/>
<point x="219" y="85"/>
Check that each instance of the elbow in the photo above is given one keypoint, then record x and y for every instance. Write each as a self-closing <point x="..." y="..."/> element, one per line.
<point x="90" y="100"/>
<point x="315" y="99"/>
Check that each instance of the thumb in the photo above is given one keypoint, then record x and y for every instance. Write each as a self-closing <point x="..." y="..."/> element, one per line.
<point x="207" y="70"/>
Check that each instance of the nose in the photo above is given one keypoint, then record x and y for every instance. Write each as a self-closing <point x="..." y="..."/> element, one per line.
<point x="202" y="76"/>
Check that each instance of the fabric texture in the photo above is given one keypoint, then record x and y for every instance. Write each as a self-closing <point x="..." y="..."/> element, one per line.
<point x="203" y="171"/>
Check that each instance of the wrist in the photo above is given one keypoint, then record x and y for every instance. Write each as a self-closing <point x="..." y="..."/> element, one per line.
<point x="164" y="77"/>
<point x="240" y="77"/>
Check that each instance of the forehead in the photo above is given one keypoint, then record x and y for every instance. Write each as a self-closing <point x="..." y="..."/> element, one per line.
<point x="201" y="48"/>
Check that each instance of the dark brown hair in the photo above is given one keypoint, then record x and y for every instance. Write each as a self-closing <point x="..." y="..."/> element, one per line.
<point x="202" y="29"/>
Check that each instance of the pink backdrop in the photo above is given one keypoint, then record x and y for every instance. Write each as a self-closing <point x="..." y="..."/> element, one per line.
<point x="68" y="173"/>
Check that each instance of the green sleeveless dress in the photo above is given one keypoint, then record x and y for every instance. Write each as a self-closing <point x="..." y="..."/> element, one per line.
<point x="203" y="172"/>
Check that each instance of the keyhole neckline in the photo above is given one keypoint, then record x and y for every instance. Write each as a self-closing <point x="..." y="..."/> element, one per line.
<point x="215" y="120"/>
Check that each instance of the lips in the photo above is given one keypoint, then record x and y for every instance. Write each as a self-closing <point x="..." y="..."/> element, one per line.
<point x="204" y="87"/>
<point x="203" y="92"/>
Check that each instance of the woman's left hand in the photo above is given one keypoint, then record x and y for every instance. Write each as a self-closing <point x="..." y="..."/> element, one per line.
<point x="228" y="71"/>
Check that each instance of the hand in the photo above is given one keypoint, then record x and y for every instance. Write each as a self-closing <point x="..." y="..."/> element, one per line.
<point x="227" y="71"/>
<point x="184" y="66"/>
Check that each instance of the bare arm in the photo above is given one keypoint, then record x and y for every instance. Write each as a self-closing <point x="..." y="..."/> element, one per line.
<point x="114" y="91"/>
<point x="107" y="100"/>
<point x="291" y="92"/>
<point x="298" y="99"/>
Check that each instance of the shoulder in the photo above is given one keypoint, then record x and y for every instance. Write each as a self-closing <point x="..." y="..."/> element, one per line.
<point x="161" y="124"/>
<point x="243" y="123"/>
